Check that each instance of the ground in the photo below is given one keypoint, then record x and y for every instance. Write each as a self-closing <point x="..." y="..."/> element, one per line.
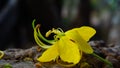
<point x="26" y="58"/>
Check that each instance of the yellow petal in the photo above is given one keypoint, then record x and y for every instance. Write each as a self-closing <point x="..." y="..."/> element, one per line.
<point x="85" y="32"/>
<point x="78" y="39"/>
<point x="68" y="51"/>
<point x="50" y="54"/>
<point x="83" y="45"/>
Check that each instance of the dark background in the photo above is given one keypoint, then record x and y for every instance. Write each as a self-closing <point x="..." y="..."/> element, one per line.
<point x="16" y="17"/>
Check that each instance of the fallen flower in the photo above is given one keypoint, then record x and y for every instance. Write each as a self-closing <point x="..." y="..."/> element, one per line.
<point x="68" y="46"/>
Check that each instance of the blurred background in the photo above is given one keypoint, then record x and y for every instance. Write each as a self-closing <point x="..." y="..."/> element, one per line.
<point x="16" y="17"/>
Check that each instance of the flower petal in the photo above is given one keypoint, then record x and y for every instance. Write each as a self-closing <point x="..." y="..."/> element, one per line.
<point x="50" y="54"/>
<point x="85" y="32"/>
<point x="68" y="51"/>
<point x="78" y="39"/>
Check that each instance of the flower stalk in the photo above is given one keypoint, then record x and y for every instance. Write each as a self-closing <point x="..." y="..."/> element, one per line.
<point x="104" y="60"/>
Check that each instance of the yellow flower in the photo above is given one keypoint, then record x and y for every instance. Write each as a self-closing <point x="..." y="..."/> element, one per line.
<point x="67" y="46"/>
<point x="70" y="46"/>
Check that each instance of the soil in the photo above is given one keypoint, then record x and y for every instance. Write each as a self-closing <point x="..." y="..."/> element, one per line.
<point x="26" y="58"/>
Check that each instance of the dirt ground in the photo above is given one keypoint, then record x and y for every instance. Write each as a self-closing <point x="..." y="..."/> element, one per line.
<point x="26" y="58"/>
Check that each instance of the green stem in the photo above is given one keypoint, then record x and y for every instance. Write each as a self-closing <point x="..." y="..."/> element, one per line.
<point x="39" y="33"/>
<point x="104" y="60"/>
<point x="33" y="23"/>
<point x="39" y="42"/>
<point x="48" y="41"/>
